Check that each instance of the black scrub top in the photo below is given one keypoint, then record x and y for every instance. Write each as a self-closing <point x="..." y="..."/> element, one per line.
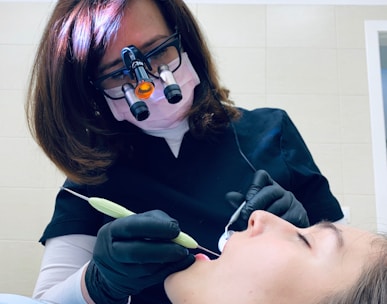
<point x="192" y="187"/>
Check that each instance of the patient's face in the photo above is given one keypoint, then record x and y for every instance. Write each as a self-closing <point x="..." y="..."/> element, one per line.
<point x="275" y="262"/>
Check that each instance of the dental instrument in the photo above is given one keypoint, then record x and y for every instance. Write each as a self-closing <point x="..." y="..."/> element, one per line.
<point x="227" y="233"/>
<point x="117" y="211"/>
<point x="233" y="219"/>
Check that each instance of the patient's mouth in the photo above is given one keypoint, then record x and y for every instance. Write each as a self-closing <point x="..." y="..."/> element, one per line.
<point x="201" y="257"/>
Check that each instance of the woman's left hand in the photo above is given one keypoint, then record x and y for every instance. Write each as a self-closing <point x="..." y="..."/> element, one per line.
<point x="265" y="194"/>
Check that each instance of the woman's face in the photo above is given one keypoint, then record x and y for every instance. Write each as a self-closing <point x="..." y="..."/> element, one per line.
<point x="143" y="26"/>
<point x="275" y="262"/>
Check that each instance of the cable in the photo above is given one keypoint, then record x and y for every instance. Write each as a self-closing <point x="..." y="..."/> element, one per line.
<point x="231" y="123"/>
<point x="240" y="149"/>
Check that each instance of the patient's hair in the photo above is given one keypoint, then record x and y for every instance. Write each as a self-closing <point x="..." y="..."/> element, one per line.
<point x="371" y="287"/>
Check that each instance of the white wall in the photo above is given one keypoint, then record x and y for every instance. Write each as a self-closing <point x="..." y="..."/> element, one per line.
<point x="384" y="89"/>
<point x="309" y="60"/>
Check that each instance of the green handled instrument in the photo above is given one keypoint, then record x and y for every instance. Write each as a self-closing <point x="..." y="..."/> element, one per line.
<point x="117" y="211"/>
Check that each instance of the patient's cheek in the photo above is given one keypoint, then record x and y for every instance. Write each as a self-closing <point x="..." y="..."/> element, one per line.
<point x="201" y="257"/>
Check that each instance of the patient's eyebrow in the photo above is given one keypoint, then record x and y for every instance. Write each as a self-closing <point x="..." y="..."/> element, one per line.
<point x="337" y="232"/>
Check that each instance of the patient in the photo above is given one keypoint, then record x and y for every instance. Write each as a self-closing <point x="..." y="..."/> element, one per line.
<point x="274" y="262"/>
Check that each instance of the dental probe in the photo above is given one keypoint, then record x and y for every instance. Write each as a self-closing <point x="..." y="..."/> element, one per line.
<point x="233" y="218"/>
<point x="117" y="211"/>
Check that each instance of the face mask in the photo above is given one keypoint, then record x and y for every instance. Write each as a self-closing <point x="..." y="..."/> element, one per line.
<point x="163" y="115"/>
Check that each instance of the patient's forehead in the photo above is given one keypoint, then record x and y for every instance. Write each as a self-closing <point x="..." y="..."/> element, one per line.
<point x="361" y="243"/>
<point x="352" y="234"/>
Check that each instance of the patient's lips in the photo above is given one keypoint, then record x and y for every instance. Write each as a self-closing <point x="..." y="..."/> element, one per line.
<point x="201" y="257"/>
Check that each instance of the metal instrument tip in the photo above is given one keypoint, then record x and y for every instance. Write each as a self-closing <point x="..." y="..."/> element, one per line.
<point x="208" y="251"/>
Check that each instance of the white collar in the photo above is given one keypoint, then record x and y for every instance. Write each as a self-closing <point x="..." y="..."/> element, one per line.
<point x="173" y="136"/>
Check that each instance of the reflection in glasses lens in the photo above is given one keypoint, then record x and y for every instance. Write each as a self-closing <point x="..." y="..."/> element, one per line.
<point x="167" y="52"/>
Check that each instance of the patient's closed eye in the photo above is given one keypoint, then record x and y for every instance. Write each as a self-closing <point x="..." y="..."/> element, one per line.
<point x="304" y="239"/>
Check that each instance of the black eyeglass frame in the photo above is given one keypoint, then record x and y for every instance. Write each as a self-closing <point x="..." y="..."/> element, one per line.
<point x="173" y="40"/>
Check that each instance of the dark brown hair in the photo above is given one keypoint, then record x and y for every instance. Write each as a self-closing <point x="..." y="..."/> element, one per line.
<point x="70" y="119"/>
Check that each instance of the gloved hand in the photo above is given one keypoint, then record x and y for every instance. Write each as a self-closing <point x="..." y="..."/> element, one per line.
<point x="133" y="253"/>
<point x="266" y="194"/>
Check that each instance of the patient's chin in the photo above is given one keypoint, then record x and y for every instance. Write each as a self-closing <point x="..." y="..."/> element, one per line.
<point x="174" y="289"/>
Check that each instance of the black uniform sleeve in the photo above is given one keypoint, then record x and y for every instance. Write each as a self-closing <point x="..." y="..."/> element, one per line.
<point x="306" y="181"/>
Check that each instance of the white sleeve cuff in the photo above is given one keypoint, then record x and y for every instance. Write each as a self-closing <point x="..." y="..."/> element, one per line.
<point x="67" y="292"/>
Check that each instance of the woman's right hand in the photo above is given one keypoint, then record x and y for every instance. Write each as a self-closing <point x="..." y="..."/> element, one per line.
<point x="133" y="253"/>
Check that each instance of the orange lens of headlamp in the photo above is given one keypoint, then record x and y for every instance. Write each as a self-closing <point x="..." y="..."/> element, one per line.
<point x="144" y="89"/>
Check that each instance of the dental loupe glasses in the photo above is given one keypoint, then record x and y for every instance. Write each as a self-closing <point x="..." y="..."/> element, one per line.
<point x="135" y="81"/>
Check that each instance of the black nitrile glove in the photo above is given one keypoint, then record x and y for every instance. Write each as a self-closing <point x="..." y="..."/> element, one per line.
<point x="133" y="253"/>
<point x="266" y="194"/>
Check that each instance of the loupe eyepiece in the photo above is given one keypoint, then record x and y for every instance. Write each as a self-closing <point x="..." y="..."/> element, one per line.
<point x="171" y="89"/>
<point x="134" y="62"/>
<point x="137" y="107"/>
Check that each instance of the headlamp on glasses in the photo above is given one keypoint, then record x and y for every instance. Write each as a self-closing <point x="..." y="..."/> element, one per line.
<point x="134" y="80"/>
<point x="134" y="62"/>
<point x="144" y="88"/>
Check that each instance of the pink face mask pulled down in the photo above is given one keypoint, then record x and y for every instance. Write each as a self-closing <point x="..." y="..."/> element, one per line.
<point x="163" y="115"/>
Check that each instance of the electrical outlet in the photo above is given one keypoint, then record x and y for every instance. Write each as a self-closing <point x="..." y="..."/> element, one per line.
<point x="347" y="213"/>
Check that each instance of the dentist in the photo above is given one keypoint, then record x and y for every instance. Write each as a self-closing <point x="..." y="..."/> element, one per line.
<point x="125" y="100"/>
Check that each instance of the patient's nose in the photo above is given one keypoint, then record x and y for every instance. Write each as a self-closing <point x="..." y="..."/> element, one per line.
<point x="261" y="221"/>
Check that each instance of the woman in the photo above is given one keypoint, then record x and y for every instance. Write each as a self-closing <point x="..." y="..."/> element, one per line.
<point x="101" y="109"/>
<point x="275" y="262"/>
